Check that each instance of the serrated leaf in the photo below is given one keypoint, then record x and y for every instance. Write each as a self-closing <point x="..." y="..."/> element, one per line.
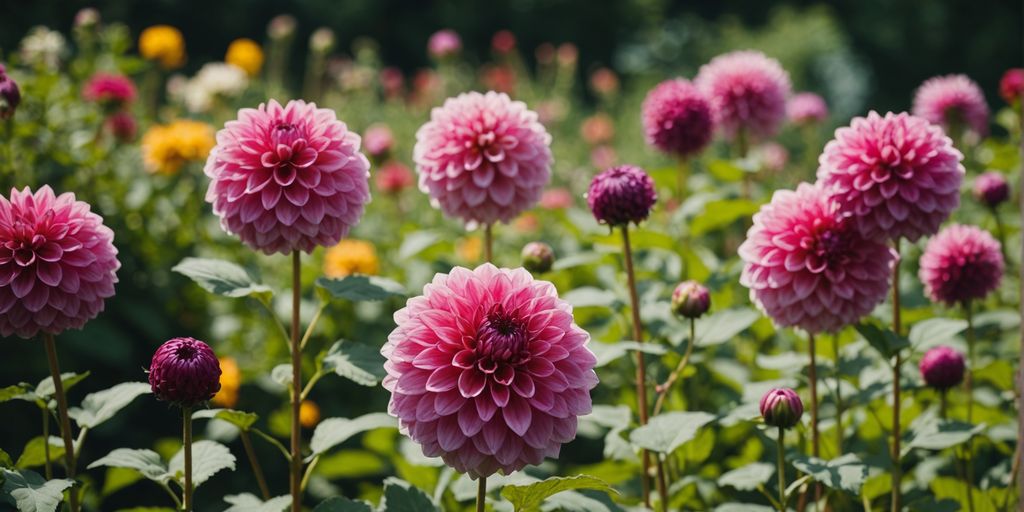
<point x="208" y="459"/>
<point x="529" y="498"/>
<point x="846" y="473"/>
<point x="668" y="431"/>
<point x="342" y="504"/>
<point x="147" y="462"/>
<point x="884" y="340"/>
<point x="722" y="326"/>
<point x="102" y="405"/>
<point x="401" y="496"/>
<point x="247" y="502"/>
<point x="357" y="362"/>
<point x="359" y="288"/>
<point x="68" y="380"/>
<point x="32" y="493"/>
<point x="938" y="434"/>
<point x="334" y="431"/>
<point x="223" y="278"/>
<point x="748" y="477"/>
<point x="34" y="453"/>
<point x="608" y="352"/>
<point x="241" y="419"/>
<point x="935" y="331"/>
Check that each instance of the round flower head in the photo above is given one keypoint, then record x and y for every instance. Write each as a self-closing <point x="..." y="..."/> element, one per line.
<point x="184" y="372"/>
<point x="806" y="267"/>
<point x="246" y="54"/>
<point x="747" y="91"/>
<point x="960" y="264"/>
<point x="57" y="263"/>
<point x="621" y="195"/>
<point x="110" y="90"/>
<point x="165" y="148"/>
<point x="806" y="108"/>
<point x="444" y="43"/>
<point x="488" y="371"/>
<point x="483" y="157"/>
<point x="556" y="199"/>
<point x="351" y="257"/>
<point x="10" y="95"/>
<point x="503" y="42"/>
<point x="394" y="177"/>
<point x="942" y="367"/>
<point x="781" y="407"/>
<point x="897" y="176"/>
<point x="991" y="188"/>
<point x="1011" y="86"/>
<point x="690" y="299"/>
<point x="952" y="100"/>
<point x="538" y="257"/>
<point x="677" y="118"/>
<point x="164" y="44"/>
<point x="378" y="140"/>
<point x="287" y="178"/>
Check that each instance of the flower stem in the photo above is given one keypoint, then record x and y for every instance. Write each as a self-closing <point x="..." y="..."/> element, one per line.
<point x="682" y="178"/>
<point x="969" y="385"/>
<point x="186" y="429"/>
<point x="488" y="243"/>
<point x="1020" y="362"/>
<point x="664" y="389"/>
<point x="481" y="494"/>
<point x="641" y="369"/>
<point x="296" y="395"/>
<point x="943" y="395"/>
<point x="46" y="444"/>
<point x="782" y="469"/>
<point x="62" y="411"/>
<point x="255" y="463"/>
<point x="812" y="375"/>
<point x="839" y="395"/>
<point x="661" y="482"/>
<point x="897" y="470"/>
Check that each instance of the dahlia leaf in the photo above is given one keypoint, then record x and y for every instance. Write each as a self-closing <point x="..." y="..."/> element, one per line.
<point x="34" y="453"/>
<point x="726" y="170"/>
<point x="724" y="325"/>
<point x="357" y="362"/>
<point x="401" y="496"/>
<point x="342" y="504"/>
<point x="935" y="331"/>
<point x="32" y="493"/>
<point x="334" y="431"/>
<point x="5" y="460"/>
<point x="102" y="405"/>
<point x="223" y="278"/>
<point x="884" y="340"/>
<point x="241" y="419"/>
<point x="609" y="416"/>
<point x="845" y="473"/>
<point x="529" y="498"/>
<point x="590" y="296"/>
<point x="147" y="462"/>
<point x="608" y="352"/>
<point x="668" y="431"/>
<point x="748" y="477"/>
<point x="247" y="502"/>
<point x="45" y="387"/>
<point x="16" y="392"/>
<point x="721" y="214"/>
<point x="572" y="501"/>
<point x="577" y="260"/>
<point x="939" y="434"/>
<point x="208" y="459"/>
<point x="360" y="288"/>
<point x="415" y="243"/>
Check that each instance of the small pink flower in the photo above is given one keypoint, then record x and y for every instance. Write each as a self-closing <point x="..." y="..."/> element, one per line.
<point x="1011" y="86"/>
<point x="747" y="91"/>
<point x="690" y="299"/>
<point x="556" y="199"/>
<point x="603" y="157"/>
<point x="772" y="156"/>
<point x="110" y="90"/>
<point x="677" y="118"/>
<point x="488" y="371"/>
<point x="394" y="177"/>
<point x="392" y="81"/>
<point x="950" y="100"/>
<point x="503" y="42"/>
<point x="604" y="82"/>
<point x="942" y="367"/>
<point x="443" y="44"/>
<point x="806" y="108"/>
<point x="378" y="140"/>
<point x="123" y="126"/>
<point x="781" y="407"/>
<point x="962" y="263"/>
<point x="991" y="189"/>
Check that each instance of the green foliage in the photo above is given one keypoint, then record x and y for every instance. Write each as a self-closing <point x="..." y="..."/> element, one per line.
<point x="32" y="493"/>
<point x="357" y="362"/>
<point x="102" y="405"/>
<point x="223" y="278"/>
<point x="334" y="431"/>
<point x="528" y="498"/>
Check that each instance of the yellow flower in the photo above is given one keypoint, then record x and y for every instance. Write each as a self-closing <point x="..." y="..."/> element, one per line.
<point x="230" y="382"/>
<point x="246" y="54"/>
<point x="163" y="43"/>
<point x="165" y="148"/>
<point x="470" y="249"/>
<point x="351" y="257"/>
<point x="309" y="414"/>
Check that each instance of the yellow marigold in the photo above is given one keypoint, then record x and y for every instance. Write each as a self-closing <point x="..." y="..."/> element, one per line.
<point x="164" y="44"/>
<point x="246" y="54"/>
<point x="351" y="257"/>
<point x="470" y="249"/>
<point x="230" y="382"/>
<point x="165" y="148"/>
<point x="309" y="414"/>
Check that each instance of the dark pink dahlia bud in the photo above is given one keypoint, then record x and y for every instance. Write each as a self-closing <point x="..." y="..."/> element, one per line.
<point x="1011" y="86"/>
<point x="942" y="367"/>
<point x="781" y="407"/>
<point x="621" y="195"/>
<point x="690" y="299"/>
<point x="10" y="95"/>
<point x="991" y="189"/>
<point x="806" y="108"/>
<point x="960" y="264"/>
<point x="677" y="118"/>
<point x="185" y="372"/>
<point x="112" y="91"/>
<point x="122" y="125"/>
<point x="538" y="257"/>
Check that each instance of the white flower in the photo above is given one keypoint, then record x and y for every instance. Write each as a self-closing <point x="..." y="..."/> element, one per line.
<point x="43" y="46"/>
<point x="215" y="79"/>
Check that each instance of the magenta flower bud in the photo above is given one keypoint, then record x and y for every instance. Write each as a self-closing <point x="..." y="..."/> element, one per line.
<point x="690" y="299"/>
<point x="10" y="95"/>
<point x="123" y="126"/>
<point x="991" y="188"/>
<point x="538" y="257"/>
<point x="621" y="195"/>
<point x="781" y="407"/>
<point x="942" y="367"/>
<point x="185" y="372"/>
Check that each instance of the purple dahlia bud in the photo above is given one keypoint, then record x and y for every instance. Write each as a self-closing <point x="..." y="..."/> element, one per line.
<point x="942" y="367"/>
<point x="621" y="195"/>
<point x="690" y="299"/>
<point x="10" y="95"/>
<point x="781" y="407"/>
<point x="991" y="188"/>
<point x="538" y="257"/>
<point x="185" y="372"/>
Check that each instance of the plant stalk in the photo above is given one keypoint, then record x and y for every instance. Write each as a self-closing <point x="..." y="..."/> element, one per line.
<point x="664" y="389"/>
<point x="782" y="469"/>
<point x="969" y="385"/>
<point x="481" y="494"/>
<point x="641" y="369"/>
<point x="48" y="468"/>
<point x="488" y="243"/>
<point x="839" y="395"/>
<point x="62" y="411"/>
<point x="254" y="461"/>
<point x="897" y="470"/>
<point x="186" y="429"/>
<point x="296" y="437"/>
<point x="812" y="376"/>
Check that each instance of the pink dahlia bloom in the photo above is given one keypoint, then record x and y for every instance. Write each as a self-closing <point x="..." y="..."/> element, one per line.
<point x="394" y="177"/>
<point x="677" y="118"/>
<point x="952" y="100"/>
<point x="57" y="263"/>
<point x="960" y="264"/>
<point x="991" y="188"/>
<point x="185" y="372"/>
<point x="942" y="367"/>
<point x="488" y="371"/>
<point x="897" y="176"/>
<point x="122" y="125"/>
<point x="556" y="199"/>
<point x="444" y="43"/>
<point x="287" y="178"/>
<point x="747" y="91"/>
<point x="806" y="267"/>
<point x="378" y="140"/>
<point x="621" y="195"/>
<point x="110" y="90"/>
<point x="1011" y="86"/>
<point x="806" y="108"/>
<point x="483" y="157"/>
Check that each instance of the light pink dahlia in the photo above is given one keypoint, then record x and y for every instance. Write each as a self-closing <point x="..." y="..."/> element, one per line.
<point x="677" y="118"/>
<point x="747" y="91"/>
<point x="952" y="100"/>
<point x="287" y="178"/>
<point x="806" y="108"/>
<point x="960" y="264"/>
<point x="897" y="176"/>
<point x="444" y="43"/>
<point x="488" y="371"/>
<point x="483" y="157"/>
<point x="806" y="267"/>
<point x="57" y="263"/>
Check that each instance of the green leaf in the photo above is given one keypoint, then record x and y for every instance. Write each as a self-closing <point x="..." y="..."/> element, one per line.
<point x="884" y="340"/>
<point x="748" y="477"/>
<point x="935" y="331"/>
<point x="102" y="405"/>
<point x="359" y="288"/>
<point x="415" y="243"/>
<point x="720" y="214"/>
<point x="223" y="278"/>
<point x="12" y="392"/>
<point x="938" y="434"/>
<point x="241" y="419"/>
<point x="400" y="496"/>
<point x="608" y="352"/>
<point x="610" y="416"/>
<point x="68" y="380"/>
<point x="577" y="260"/>
<point x="590" y="296"/>
<point x="119" y="478"/>
<point x="357" y="362"/>
<point x="668" y="431"/>
<point x="342" y="504"/>
<point x="529" y="498"/>
<point x="724" y="325"/>
<point x="282" y="374"/>
<point x="146" y="462"/>
<point x="34" y="453"/>
<point x="725" y="170"/>
<point x="334" y="431"/>
<point x="250" y="503"/>
<point x="845" y="473"/>
<point x="5" y="460"/>
<point x="32" y="493"/>
<point x="208" y="459"/>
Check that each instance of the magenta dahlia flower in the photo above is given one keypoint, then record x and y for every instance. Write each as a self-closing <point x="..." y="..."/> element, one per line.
<point x="621" y="195"/>
<point x="747" y="91"/>
<point x="488" y="371"/>
<point x="677" y="118"/>
<point x="110" y="90"/>
<point x="444" y="43"/>
<point x="952" y="100"/>
<point x="10" y="94"/>
<point x="57" y="263"/>
<point x="806" y="108"/>
<point x="942" y="367"/>
<point x="1011" y="86"/>
<point x="991" y="189"/>
<point x="897" y="176"/>
<point x="185" y="372"/>
<point x="288" y="178"/>
<point x="781" y="407"/>
<point x="690" y="299"/>
<point x="807" y="267"/>
<point x="483" y="157"/>
<point x="960" y="264"/>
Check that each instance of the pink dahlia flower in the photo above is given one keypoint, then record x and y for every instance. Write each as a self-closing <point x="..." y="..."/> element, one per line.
<point x="556" y="199"/>
<point x="991" y="188"/>
<point x="677" y="118"/>
<point x="942" y="367"/>
<point x="621" y="195"/>
<point x="806" y="267"/>
<point x="806" y="108"/>
<point x="1011" y="86"/>
<point x="444" y="43"/>
<point x="108" y="89"/>
<point x="483" y="157"/>
<point x="378" y="140"/>
<point x="122" y="125"/>
<point x="952" y="100"/>
<point x="781" y="407"/>
<point x="747" y="91"/>
<point x="57" y="263"/>
<point x="287" y="178"/>
<point x="960" y="264"/>
<point x="488" y="371"/>
<point x="394" y="177"/>
<point x="897" y="176"/>
<point x="185" y="372"/>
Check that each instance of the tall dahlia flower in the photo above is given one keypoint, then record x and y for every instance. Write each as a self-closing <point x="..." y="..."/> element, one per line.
<point x="897" y="176"/>
<point x="57" y="263"/>
<point x="287" y="178"/>
<point x="483" y="157"/>
<point x="677" y="118"/>
<point x="961" y="263"/>
<point x="747" y="91"/>
<point x="951" y="100"/>
<point x="807" y="267"/>
<point x="488" y="371"/>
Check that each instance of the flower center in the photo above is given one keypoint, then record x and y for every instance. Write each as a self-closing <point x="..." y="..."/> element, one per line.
<point x="502" y="338"/>
<point x="288" y="150"/>
<point x="186" y="352"/>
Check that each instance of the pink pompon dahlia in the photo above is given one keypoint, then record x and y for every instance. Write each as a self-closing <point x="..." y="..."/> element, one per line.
<point x="57" y="263"/>
<point x="747" y="91"/>
<point x="621" y="195"/>
<point x="806" y="267"/>
<point x="1011" y="86"/>
<point x="991" y="188"/>
<point x="953" y="102"/>
<point x="962" y="263"/>
<point x="677" y="118"/>
<point x="110" y="90"/>
<point x="483" y="157"/>
<point x="488" y="371"/>
<point x="288" y="178"/>
<point x="185" y="372"/>
<point x="942" y="367"/>
<point x="897" y="176"/>
<point x="806" y="108"/>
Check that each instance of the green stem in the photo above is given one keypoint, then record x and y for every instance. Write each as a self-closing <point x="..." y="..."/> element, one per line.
<point x="812" y="375"/>
<point x="186" y="420"/>
<point x="296" y="394"/>
<point x="280" y="447"/>
<point x="839" y="395"/>
<point x="309" y="385"/>
<point x="782" y="469"/>
<point x="65" y="423"/>
<point x="275" y="320"/>
<point x="664" y="389"/>
<point x="969" y="384"/>
<point x="312" y="325"/>
<point x="481" y="494"/>
<point x="641" y="369"/>
<point x="897" y="469"/>
<point x="682" y="179"/>
<point x="488" y="243"/>
<point x="942" y="403"/>
<point x="309" y="471"/>
<point x="48" y="469"/>
<point x="254" y="461"/>
<point x="170" y="492"/>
